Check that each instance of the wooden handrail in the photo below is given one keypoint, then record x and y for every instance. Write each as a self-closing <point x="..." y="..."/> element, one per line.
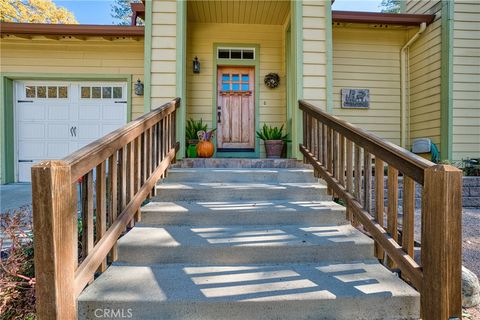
<point x="438" y="277"/>
<point x="402" y="159"/>
<point x="122" y="168"/>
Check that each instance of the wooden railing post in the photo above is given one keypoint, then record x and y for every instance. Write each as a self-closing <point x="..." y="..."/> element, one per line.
<point x="441" y="243"/>
<point x="54" y="211"/>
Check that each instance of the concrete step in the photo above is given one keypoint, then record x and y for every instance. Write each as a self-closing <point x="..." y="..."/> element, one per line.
<point x="193" y="191"/>
<point x="268" y="175"/>
<point x="243" y="213"/>
<point x="239" y="163"/>
<point x="351" y="290"/>
<point x="146" y="244"/>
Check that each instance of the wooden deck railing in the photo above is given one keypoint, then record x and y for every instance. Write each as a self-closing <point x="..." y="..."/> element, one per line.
<point x="335" y="147"/>
<point x="114" y="174"/>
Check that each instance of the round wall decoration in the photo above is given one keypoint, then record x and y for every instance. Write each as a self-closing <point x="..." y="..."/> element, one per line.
<point x="272" y="80"/>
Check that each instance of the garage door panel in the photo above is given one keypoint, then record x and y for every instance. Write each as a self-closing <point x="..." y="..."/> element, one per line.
<point x="31" y="112"/>
<point x="31" y="130"/>
<point x="107" y="128"/>
<point x="24" y="169"/>
<point x="58" y="112"/>
<point x="57" y="149"/>
<point x="59" y="131"/>
<point x="89" y="131"/>
<point x="89" y="112"/>
<point x="112" y="113"/>
<point x="28" y="150"/>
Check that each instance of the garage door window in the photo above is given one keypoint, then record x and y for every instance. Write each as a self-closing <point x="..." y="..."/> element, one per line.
<point x="101" y="92"/>
<point x="44" y="92"/>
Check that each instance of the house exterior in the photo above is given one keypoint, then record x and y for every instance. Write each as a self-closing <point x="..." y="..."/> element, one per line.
<point x="421" y="69"/>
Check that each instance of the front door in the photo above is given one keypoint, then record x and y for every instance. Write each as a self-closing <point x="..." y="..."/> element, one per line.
<point x="236" y="109"/>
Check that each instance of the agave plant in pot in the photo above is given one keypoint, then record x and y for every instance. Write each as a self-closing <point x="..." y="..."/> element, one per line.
<point x="191" y="136"/>
<point x="274" y="139"/>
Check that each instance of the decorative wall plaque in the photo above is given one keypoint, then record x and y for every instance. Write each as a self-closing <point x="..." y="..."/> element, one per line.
<point x="356" y="98"/>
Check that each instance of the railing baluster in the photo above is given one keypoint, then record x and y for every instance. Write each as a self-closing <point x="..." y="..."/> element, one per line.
<point x="101" y="212"/>
<point x="123" y="178"/>
<point x="113" y="201"/>
<point x="379" y="202"/>
<point x="87" y="214"/>
<point x="349" y="186"/>
<point x="392" y="209"/>
<point x="336" y="155"/>
<point x="358" y="174"/>
<point x="130" y="177"/>
<point x="341" y="169"/>
<point x="408" y="204"/>
<point x="329" y="150"/>
<point x="149" y="154"/>
<point x="367" y="181"/>
<point x="137" y="172"/>
<point x="320" y="142"/>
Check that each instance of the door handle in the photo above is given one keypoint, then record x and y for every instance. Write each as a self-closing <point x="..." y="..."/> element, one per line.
<point x="71" y="131"/>
<point x="219" y="117"/>
<point x="75" y="131"/>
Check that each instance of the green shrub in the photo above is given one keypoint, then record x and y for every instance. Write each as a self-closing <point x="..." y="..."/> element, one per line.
<point x="193" y="127"/>
<point x="271" y="133"/>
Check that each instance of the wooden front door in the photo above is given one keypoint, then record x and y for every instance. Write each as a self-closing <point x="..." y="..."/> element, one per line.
<point x="236" y="109"/>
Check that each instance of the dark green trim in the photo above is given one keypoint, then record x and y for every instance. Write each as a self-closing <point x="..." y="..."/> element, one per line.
<point x="7" y="138"/>
<point x="147" y="62"/>
<point x="446" y="97"/>
<point x="329" y="56"/>
<point x="246" y="63"/>
<point x="297" y="42"/>
<point x="181" y="84"/>
<point x="6" y="135"/>
<point x="290" y="79"/>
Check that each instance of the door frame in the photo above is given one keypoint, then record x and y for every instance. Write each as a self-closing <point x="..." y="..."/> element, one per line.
<point x="238" y="63"/>
<point x="7" y="98"/>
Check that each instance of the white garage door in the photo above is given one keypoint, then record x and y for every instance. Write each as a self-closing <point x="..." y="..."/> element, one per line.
<point x="54" y="119"/>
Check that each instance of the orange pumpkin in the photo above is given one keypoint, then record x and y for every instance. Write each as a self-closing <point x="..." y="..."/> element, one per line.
<point x="205" y="149"/>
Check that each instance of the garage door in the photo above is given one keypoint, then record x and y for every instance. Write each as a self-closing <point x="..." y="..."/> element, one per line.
<point x="54" y="119"/>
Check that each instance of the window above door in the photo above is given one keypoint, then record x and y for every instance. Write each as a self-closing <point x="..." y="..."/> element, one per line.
<point x="236" y="53"/>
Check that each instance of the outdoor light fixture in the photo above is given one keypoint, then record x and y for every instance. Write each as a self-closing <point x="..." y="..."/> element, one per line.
<point x="139" y="88"/>
<point x="196" y="65"/>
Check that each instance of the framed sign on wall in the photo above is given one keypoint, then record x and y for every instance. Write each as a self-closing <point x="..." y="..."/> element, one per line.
<point x="355" y="98"/>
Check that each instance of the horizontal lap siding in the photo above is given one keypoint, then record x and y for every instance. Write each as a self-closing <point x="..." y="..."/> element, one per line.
<point x="369" y="59"/>
<point x="425" y="75"/>
<point x="314" y="52"/>
<point x="200" y="87"/>
<point x="466" y="80"/>
<point x="73" y="56"/>
<point x="164" y="54"/>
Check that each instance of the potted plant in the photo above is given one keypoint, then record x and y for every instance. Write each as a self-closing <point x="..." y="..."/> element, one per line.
<point x="205" y="147"/>
<point x="274" y="140"/>
<point x="191" y="136"/>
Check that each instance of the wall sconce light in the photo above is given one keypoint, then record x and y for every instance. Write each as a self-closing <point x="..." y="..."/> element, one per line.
<point x="196" y="65"/>
<point x="139" y="88"/>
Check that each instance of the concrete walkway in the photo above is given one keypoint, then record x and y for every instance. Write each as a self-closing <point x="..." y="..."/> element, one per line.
<point x="14" y="196"/>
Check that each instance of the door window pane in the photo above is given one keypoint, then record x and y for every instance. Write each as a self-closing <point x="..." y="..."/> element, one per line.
<point x="244" y="77"/>
<point x="225" y="87"/>
<point x="107" y="93"/>
<point x="41" y="92"/>
<point x="223" y="53"/>
<point x="248" y="54"/>
<point x="85" y="92"/>
<point x="52" y="92"/>
<point x="235" y="77"/>
<point x="236" y="87"/>
<point x="245" y="87"/>
<point x="117" y="92"/>
<point x="225" y="77"/>
<point x="96" y="92"/>
<point x="63" y="92"/>
<point x="30" y="91"/>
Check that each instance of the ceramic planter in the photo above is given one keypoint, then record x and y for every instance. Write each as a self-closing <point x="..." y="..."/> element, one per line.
<point x="274" y="148"/>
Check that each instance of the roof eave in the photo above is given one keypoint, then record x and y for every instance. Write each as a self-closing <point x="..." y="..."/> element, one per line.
<point x="404" y="19"/>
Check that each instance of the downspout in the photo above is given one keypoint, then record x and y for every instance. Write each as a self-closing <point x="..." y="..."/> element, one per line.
<point x="404" y="85"/>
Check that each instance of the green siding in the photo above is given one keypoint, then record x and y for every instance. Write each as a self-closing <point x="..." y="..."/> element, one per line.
<point x="181" y="86"/>
<point x="147" y="77"/>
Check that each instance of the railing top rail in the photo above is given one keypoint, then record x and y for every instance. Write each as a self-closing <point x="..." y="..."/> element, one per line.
<point x="404" y="160"/>
<point x="88" y="157"/>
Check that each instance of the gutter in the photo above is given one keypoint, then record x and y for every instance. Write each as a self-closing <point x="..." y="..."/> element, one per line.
<point x="404" y="67"/>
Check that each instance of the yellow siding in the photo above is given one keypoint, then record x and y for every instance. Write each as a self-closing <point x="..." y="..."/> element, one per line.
<point x="163" y="67"/>
<point x="200" y="90"/>
<point x="74" y="56"/>
<point x="370" y="59"/>
<point x="425" y="61"/>
<point x="314" y="57"/>
<point x="466" y="80"/>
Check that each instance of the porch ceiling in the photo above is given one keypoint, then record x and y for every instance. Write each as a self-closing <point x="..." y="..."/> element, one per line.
<point x="239" y="11"/>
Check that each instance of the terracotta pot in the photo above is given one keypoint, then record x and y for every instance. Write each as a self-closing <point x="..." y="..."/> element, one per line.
<point x="205" y="149"/>
<point x="274" y="148"/>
